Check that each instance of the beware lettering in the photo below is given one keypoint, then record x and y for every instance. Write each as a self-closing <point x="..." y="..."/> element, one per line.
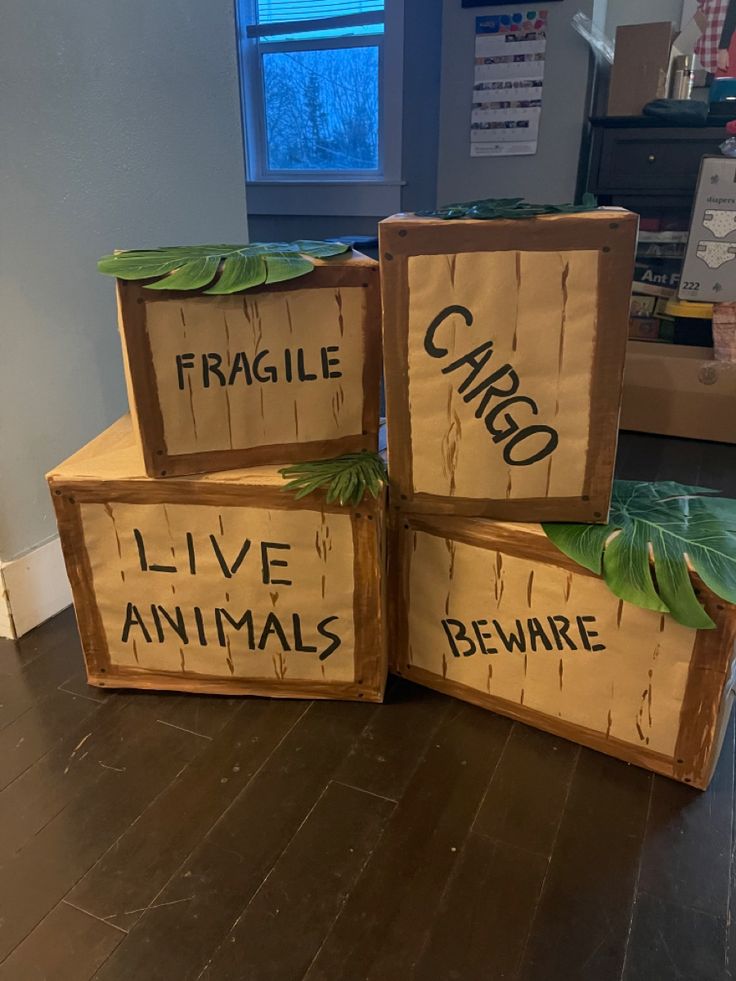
<point x="532" y="634"/>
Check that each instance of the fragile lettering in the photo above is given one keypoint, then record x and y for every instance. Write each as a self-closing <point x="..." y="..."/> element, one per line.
<point x="213" y="370"/>
<point x="495" y="391"/>
<point x="552" y="633"/>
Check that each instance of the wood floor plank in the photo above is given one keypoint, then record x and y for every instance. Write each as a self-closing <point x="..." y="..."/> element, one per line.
<point x="16" y="655"/>
<point x="388" y="751"/>
<point x="206" y="715"/>
<point x="37" y="877"/>
<point x="39" y="730"/>
<point x="686" y="854"/>
<point x="384" y="925"/>
<point x="673" y="941"/>
<point x="526" y="797"/>
<point x="69" y="770"/>
<point x="481" y="928"/>
<point x="287" y="920"/>
<point x="219" y="878"/>
<point x="67" y="945"/>
<point x="37" y="682"/>
<point x="717" y="468"/>
<point x="581" y="925"/>
<point x="129" y="876"/>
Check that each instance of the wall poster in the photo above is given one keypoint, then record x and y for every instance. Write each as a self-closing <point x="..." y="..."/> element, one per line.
<point x="507" y="83"/>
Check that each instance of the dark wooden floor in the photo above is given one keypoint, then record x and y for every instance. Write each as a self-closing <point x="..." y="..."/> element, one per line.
<point x="171" y="837"/>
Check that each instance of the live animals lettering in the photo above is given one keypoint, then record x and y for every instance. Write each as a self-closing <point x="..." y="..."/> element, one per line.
<point x="235" y="591"/>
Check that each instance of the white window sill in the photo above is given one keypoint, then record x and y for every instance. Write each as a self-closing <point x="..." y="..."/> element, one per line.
<point x="357" y="198"/>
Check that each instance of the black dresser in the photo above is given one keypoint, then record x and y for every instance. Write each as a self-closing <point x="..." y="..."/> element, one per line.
<point x="646" y="166"/>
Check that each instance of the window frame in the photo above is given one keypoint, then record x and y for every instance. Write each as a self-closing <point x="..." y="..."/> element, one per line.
<point x="355" y="192"/>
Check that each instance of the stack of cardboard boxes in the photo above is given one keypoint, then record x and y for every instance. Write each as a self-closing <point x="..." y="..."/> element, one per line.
<point x="504" y="345"/>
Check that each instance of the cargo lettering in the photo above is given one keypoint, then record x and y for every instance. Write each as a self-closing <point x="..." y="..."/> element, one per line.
<point x="523" y="444"/>
<point x="552" y="633"/>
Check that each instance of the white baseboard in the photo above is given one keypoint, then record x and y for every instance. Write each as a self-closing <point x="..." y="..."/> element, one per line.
<point x="32" y="589"/>
<point x="6" y="621"/>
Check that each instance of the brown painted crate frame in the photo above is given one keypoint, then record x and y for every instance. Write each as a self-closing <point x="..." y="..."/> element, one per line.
<point x="711" y="681"/>
<point x="356" y="270"/>
<point x="368" y="527"/>
<point x="614" y="236"/>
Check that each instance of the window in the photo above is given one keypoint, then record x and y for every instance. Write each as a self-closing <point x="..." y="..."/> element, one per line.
<point x="321" y="90"/>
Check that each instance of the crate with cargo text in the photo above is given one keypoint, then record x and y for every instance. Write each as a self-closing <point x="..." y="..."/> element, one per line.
<point x="504" y="349"/>
<point x="220" y="583"/>
<point x="285" y="370"/>
<point x="495" y="614"/>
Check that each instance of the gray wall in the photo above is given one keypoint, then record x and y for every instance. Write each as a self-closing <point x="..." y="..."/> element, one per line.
<point x="119" y="127"/>
<point x="550" y="174"/>
<point x="635" y="12"/>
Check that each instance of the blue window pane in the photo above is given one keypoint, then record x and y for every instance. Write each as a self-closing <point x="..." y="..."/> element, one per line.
<point x="295" y="34"/>
<point x="275" y="11"/>
<point x="322" y="109"/>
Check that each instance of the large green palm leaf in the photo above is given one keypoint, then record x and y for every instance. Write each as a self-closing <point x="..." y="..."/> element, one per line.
<point x="654" y="533"/>
<point x="220" y="268"/>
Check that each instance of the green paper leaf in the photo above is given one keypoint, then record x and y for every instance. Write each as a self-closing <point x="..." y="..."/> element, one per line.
<point x="654" y="531"/>
<point x="221" y="268"/>
<point x="487" y="209"/>
<point x="346" y="479"/>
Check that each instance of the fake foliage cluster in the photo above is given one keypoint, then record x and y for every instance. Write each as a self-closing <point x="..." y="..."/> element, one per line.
<point x="655" y="532"/>
<point x="219" y="268"/>
<point x="346" y="479"/>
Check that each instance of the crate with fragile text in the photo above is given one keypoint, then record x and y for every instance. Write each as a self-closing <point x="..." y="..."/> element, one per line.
<point x="252" y="355"/>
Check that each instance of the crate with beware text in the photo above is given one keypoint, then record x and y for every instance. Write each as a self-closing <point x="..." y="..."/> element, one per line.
<point x="219" y="583"/>
<point x="497" y="615"/>
<point x="280" y="372"/>
<point x="504" y="350"/>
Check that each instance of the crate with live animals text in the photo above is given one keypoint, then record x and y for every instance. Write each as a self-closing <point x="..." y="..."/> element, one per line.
<point x="220" y="583"/>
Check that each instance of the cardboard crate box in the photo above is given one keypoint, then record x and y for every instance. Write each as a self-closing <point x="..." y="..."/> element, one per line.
<point x="495" y="614"/>
<point x="504" y="343"/>
<point x="221" y="583"/>
<point x="678" y="390"/>
<point x="275" y="374"/>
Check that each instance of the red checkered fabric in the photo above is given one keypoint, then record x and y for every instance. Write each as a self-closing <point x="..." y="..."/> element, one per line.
<point x="707" y="46"/>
